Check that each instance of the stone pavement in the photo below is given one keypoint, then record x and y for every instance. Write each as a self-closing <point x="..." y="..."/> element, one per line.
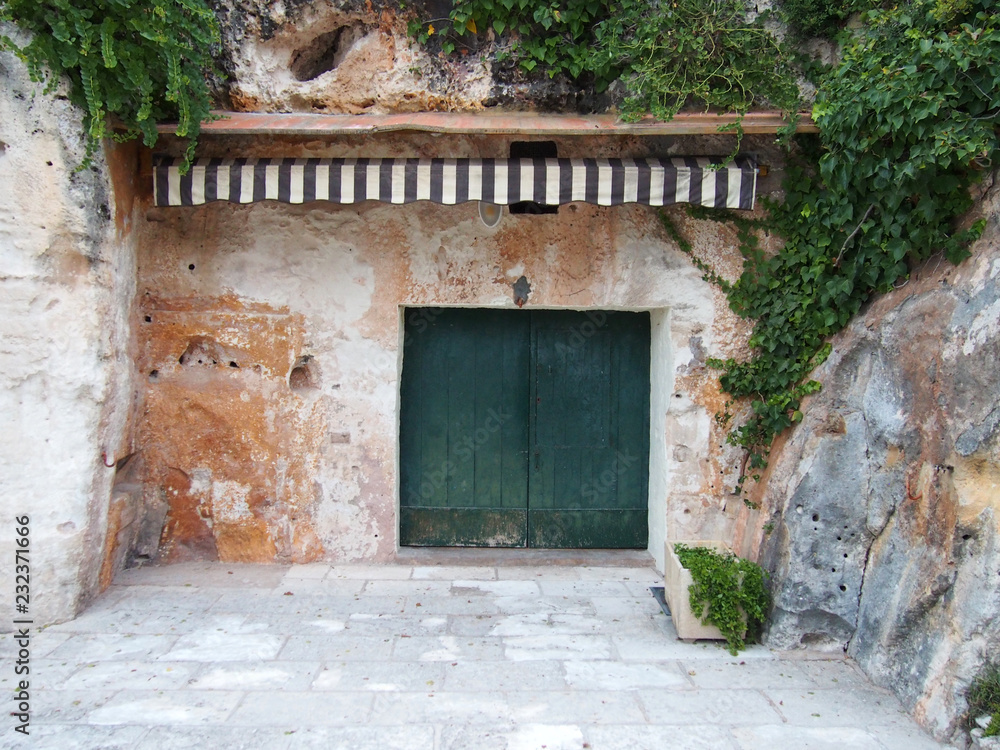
<point x="415" y="657"/>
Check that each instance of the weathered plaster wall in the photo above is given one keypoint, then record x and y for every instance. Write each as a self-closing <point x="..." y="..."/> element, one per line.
<point x="66" y="286"/>
<point x="247" y="460"/>
<point x="885" y="501"/>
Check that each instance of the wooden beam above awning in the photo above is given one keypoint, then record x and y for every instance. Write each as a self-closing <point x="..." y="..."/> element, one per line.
<point x="652" y="181"/>
<point x="516" y="123"/>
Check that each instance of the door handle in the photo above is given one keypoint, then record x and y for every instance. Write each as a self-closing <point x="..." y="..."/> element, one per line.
<point x="537" y="453"/>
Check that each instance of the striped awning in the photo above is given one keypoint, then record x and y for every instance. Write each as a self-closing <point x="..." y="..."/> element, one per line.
<point x="606" y="182"/>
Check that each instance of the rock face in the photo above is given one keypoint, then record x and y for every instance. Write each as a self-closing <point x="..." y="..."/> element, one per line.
<point x="885" y="501"/>
<point x="65" y="360"/>
<point x="352" y="57"/>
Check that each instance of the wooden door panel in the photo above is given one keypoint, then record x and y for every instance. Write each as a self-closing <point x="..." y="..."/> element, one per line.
<point x="524" y="428"/>
<point x="463" y="425"/>
<point x="590" y="430"/>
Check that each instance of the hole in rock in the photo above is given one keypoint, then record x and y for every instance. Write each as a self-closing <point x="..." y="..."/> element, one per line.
<point x="324" y="53"/>
<point x="202" y="350"/>
<point x="191" y="266"/>
<point x="304" y="375"/>
<point x="815" y="517"/>
<point x="148" y="318"/>
<point x="843" y="587"/>
<point x="154" y="375"/>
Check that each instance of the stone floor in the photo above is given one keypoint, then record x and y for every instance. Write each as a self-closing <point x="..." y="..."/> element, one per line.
<point x="414" y="656"/>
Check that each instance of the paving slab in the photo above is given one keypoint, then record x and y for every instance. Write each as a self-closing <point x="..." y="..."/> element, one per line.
<point x="230" y="738"/>
<point x="262" y="675"/>
<point x="737" y="707"/>
<point x="576" y="707"/>
<point x="543" y="647"/>
<point x="440" y="708"/>
<point x="112" y="647"/>
<point x="505" y="676"/>
<point x="166" y="707"/>
<point x="358" y="738"/>
<point x="490" y="651"/>
<point x="803" y="738"/>
<point x="140" y="675"/>
<point x="614" y="676"/>
<point x="82" y="737"/>
<point x="450" y="648"/>
<point x="381" y="677"/>
<point x="219" y="645"/>
<point x="519" y="737"/>
<point x="659" y="737"/>
<point x="342" y="647"/>
<point x="297" y="710"/>
<point x="370" y="572"/>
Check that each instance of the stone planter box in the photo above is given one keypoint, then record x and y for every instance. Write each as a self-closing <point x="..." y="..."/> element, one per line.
<point x="677" y="579"/>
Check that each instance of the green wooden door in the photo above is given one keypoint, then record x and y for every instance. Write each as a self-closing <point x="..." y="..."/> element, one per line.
<point x="588" y="480"/>
<point x="464" y="410"/>
<point x="523" y="428"/>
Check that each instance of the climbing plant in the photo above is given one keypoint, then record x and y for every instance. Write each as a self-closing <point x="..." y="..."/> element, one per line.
<point x="707" y="53"/>
<point x="820" y="18"/>
<point x="142" y="61"/>
<point x="727" y="591"/>
<point x="908" y="122"/>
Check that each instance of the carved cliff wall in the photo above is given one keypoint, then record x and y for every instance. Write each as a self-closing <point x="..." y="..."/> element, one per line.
<point x="66" y="285"/>
<point x="881" y="512"/>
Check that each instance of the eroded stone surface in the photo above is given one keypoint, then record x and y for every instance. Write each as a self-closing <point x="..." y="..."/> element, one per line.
<point x="65" y="374"/>
<point x="885" y="500"/>
<point x="353" y="57"/>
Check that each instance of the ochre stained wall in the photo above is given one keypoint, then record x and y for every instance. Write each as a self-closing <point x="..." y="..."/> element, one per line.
<point x="270" y="348"/>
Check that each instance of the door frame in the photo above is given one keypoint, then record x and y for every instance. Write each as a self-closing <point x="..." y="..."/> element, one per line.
<point x="661" y="379"/>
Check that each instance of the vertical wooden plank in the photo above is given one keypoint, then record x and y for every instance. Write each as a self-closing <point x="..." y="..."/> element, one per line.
<point x="487" y="450"/>
<point x="410" y="414"/>
<point x="515" y="366"/>
<point x="460" y="376"/>
<point x="632" y="454"/>
<point x="433" y="426"/>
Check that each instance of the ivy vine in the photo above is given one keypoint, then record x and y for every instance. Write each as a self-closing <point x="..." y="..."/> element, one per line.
<point x="142" y="61"/>
<point x="908" y="123"/>
<point x="705" y="53"/>
<point x="727" y="591"/>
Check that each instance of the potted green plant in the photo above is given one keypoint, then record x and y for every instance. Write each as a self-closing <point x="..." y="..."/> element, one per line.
<point x="713" y="594"/>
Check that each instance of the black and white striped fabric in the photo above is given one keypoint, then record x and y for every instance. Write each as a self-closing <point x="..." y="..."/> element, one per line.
<point x="605" y="182"/>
